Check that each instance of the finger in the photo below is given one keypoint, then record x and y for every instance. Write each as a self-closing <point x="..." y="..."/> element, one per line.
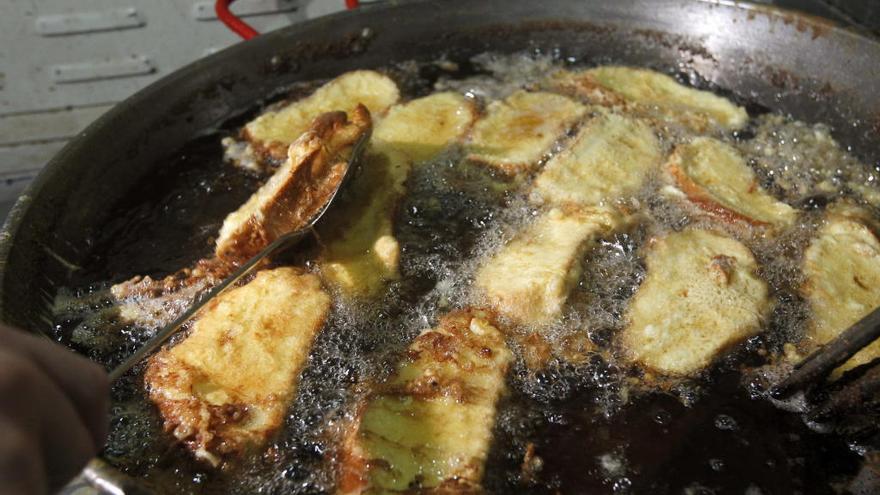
<point x="20" y="461"/>
<point x="41" y="411"/>
<point x="65" y="440"/>
<point x="84" y="382"/>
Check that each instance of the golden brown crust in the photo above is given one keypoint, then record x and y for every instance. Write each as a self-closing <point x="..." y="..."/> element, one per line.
<point x="269" y="135"/>
<point x="650" y="94"/>
<point x="841" y="268"/>
<point x="586" y="87"/>
<point x="152" y="303"/>
<point x="199" y="426"/>
<point x="226" y="386"/>
<point x="700" y="297"/>
<point x="715" y="178"/>
<point x="607" y="161"/>
<point x="316" y="164"/>
<point x="428" y="428"/>
<point x="528" y="280"/>
<point x="517" y="132"/>
<point x="146" y="286"/>
<point x="696" y="195"/>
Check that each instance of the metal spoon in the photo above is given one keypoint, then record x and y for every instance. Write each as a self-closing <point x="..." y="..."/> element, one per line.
<point x="283" y="242"/>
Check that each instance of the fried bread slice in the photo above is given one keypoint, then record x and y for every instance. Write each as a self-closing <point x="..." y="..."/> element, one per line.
<point x="842" y="284"/>
<point x="528" y="280"/>
<point x="518" y="131"/>
<point x="315" y="166"/>
<point x="360" y="251"/>
<point x="429" y="427"/>
<point x="701" y="295"/>
<point x="717" y="179"/>
<point x="424" y="127"/>
<point x="272" y="132"/>
<point x="653" y="94"/>
<point x="153" y="303"/>
<point x="609" y="158"/>
<point x="225" y="388"/>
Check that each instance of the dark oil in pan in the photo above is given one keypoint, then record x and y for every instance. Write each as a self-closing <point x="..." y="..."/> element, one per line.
<point x="565" y="428"/>
<point x="726" y="442"/>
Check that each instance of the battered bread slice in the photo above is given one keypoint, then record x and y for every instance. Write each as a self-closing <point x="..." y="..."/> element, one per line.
<point x="701" y="296"/>
<point x="610" y="158"/>
<point x="226" y="387"/>
<point x="716" y="178"/>
<point x="651" y="93"/>
<point x="517" y="132"/>
<point x="528" y="280"/>
<point x="273" y="131"/>
<point x="153" y="303"/>
<point x="425" y="126"/>
<point x="315" y="165"/>
<point x="429" y="427"/>
<point x="842" y="284"/>
<point x="360" y="251"/>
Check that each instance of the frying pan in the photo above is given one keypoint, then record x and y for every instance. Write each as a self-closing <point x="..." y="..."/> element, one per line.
<point x="781" y="60"/>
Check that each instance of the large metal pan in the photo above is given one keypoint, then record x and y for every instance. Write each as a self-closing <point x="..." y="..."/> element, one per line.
<point x="785" y="61"/>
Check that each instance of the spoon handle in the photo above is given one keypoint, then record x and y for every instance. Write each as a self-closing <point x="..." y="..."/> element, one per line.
<point x="285" y="241"/>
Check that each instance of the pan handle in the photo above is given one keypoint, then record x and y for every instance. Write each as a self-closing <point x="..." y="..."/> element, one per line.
<point x="232" y="21"/>
<point x="106" y="480"/>
<point x="244" y="29"/>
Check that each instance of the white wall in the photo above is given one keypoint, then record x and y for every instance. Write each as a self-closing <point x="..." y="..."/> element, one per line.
<point x="65" y="62"/>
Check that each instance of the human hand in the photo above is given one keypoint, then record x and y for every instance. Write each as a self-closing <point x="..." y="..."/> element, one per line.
<point x="53" y="413"/>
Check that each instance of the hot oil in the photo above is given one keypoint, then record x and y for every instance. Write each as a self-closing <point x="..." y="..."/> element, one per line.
<point x="171" y="219"/>
<point x="580" y="421"/>
<point x="805" y="165"/>
<point x="725" y="443"/>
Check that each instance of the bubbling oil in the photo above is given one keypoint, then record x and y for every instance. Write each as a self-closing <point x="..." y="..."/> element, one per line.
<point x="580" y="419"/>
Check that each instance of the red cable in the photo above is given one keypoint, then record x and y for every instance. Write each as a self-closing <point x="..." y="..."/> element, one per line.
<point x="234" y="23"/>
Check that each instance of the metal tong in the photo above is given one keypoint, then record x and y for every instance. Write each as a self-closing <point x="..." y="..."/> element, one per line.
<point x="823" y="361"/>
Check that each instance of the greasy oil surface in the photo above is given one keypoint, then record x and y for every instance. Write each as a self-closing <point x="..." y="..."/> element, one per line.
<point x="657" y="445"/>
<point x="589" y="425"/>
